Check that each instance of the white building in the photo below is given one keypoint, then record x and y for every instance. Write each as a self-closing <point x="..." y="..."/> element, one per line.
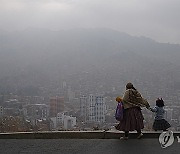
<point x="63" y="122"/>
<point x="69" y="122"/>
<point x="71" y="94"/>
<point x="60" y="118"/>
<point x="58" y="121"/>
<point x="54" y="123"/>
<point x="84" y="108"/>
<point x="64" y="85"/>
<point x="91" y="103"/>
<point x="97" y="108"/>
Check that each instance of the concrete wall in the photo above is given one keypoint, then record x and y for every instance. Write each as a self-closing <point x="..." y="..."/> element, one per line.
<point x="76" y="135"/>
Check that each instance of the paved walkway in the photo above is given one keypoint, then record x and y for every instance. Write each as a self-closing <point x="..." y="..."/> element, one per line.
<point x="85" y="146"/>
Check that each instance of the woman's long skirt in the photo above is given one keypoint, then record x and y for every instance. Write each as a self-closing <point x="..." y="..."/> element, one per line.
<point x="132" y="120"/>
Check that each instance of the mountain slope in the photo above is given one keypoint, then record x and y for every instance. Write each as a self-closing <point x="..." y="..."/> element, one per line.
<point x="41" y="57"/>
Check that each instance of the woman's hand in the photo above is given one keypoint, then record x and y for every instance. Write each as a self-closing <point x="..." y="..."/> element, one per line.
<point x="148" y="106"/>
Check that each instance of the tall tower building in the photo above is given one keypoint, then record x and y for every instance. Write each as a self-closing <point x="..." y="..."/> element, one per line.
<point x="93" y="108"/>
<point x="84" y="108"/>
<point x="70" y="94"/>
<point x="91" y="103"/>
<point x="56" y="105"/>
<point x="97" y="108"/>
<point x="100" y="109"/>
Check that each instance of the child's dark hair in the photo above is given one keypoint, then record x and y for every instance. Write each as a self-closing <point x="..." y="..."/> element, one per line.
<point x="159" y="102"/>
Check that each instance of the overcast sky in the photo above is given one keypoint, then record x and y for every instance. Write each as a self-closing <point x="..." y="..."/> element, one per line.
<point x="157" y="19"/>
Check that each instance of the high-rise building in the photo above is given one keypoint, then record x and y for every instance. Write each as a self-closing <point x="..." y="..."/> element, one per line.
<point x="97" y="108"/>
<point x="64" y="85"/>
<point x="93" y="108"/>
<point x="56" y="105"/>
<point x="84" y="106"/>
<point x="91" y="103"/>
<point x="70" y="94"/>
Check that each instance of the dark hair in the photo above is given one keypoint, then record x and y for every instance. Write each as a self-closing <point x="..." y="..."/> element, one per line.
<point x="130" y="86"/>
<point x="159" y="102"/>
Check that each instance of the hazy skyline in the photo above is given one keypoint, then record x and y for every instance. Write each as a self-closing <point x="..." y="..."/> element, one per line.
<point x="156" y="19"/>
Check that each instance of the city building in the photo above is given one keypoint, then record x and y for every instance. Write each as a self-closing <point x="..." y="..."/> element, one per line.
<point x="56" y="106"/>
<point x="62" y="121"/>
<point x="13" y="107"/>
<point x="97" y="108"/>
<point x="36" y="111"/>
<point x="57" y="122"/>
<point x="1" y="111"/>
<point x="93" y="108"/>
<point x="64" y="84"/>
<point x="70" y="94"/>
<point x="84" y="107"/>
<point x="69" y="122"/>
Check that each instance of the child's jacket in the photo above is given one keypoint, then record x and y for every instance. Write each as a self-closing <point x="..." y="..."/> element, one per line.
<point x="160" y="112"/>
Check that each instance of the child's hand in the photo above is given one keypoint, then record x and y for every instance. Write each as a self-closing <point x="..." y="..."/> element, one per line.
<point x="150" y="109"/>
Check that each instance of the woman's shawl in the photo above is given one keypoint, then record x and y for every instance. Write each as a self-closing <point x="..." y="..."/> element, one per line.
<point x="134" y="98"/>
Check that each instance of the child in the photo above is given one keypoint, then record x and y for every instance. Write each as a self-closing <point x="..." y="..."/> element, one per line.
<point x="118" y="99"/>
<point x="119" y="109"/>
<point x="159" y="122"/>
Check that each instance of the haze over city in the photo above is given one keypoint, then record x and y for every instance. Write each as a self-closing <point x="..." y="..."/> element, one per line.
<point x="56" y="56"/>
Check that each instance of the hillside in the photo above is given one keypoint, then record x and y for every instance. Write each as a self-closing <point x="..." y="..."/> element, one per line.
<point x="92" y="57"/>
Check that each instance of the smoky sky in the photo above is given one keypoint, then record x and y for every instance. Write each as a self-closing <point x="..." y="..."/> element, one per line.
<point x="156" y="19"/>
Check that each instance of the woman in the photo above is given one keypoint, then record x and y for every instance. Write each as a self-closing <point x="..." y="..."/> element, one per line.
<point x="132" y="116"/>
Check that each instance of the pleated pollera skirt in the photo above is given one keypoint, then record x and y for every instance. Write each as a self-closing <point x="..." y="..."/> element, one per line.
<point x="132" y="120"/>
<point x="161" y="125"/>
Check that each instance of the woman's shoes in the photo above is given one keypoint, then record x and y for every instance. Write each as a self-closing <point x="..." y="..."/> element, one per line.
<point x="123" y="138"/>
<point x="126" y="137"/>
<point x="140" y="136"/>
